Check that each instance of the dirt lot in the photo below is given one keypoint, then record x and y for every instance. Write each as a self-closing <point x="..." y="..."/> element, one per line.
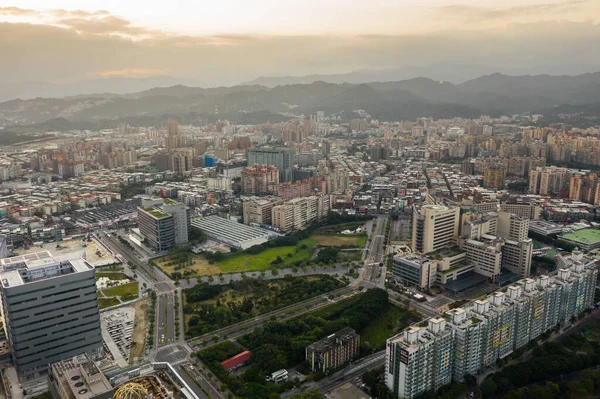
<point x="139" y="332"/>
<point x="337" y="240"/>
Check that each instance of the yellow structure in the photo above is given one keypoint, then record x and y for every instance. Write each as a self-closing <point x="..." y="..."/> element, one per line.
<point x="131" y="390"/>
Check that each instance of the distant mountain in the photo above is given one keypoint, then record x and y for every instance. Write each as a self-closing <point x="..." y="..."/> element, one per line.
<point x="439" y="72"/>
<point x="495" y="94"/>
<point x="107" y="87"/>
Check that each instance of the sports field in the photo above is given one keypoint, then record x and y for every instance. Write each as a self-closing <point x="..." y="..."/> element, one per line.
<point x="586" y="236"/>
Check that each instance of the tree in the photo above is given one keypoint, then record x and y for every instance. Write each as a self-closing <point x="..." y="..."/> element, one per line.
<point x="312" y="394"/>
<point x="488" y="388"/>
<point x="268" y="358"/>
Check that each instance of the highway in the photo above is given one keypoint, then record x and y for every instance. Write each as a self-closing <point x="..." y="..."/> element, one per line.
<point x="236" y="330"/>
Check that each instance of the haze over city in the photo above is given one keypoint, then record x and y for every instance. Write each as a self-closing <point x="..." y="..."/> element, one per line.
<point x="230" y="42"/>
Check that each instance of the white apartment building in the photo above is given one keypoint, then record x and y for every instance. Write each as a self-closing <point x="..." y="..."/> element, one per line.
<point x="489" y="329"/>
<point x="299" y="212"/>
<point x="420" y="359"/>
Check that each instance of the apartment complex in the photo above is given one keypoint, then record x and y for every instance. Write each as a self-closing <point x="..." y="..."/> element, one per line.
<point x="333" y="351"/>
<point x="259" y="179"/>
<point x="50" y="309"/>
<point x="494" y="177"/>
<point x="300" y="212"/>
<point x="259" y="209"/>
<point x="420" y="359"/>
<point x="281" y="158"/>
<point x="164" y="223"/>
<point x="550" y="180"/>
<point x="471" y="338"/>
<point x="585" y="187"/>
<point x="434" y="227"/>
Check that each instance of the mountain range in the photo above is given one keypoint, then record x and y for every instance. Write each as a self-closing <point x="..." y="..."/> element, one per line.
<point x="495" y="94"/>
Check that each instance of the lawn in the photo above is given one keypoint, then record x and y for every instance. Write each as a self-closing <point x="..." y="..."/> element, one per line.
<point x="262" y="261"/>
<point x="587" y="236"/>
<point x="339" y="240"/>
<point x="122" y="290"/>
<point x="382" y="328"/>
<point x="107" y="302"/>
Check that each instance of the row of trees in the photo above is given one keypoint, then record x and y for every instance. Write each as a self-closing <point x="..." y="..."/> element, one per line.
<point x="248" y="298"/>
<point x="281" y="345"/>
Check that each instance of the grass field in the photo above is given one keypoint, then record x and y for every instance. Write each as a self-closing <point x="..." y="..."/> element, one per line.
<point x="383" y="327"/>
<point x="199" y="267"/>
<point x="587" y="236"/>
<point x="339" y="240"/>
<point x="262" y="261"/>
<point x="122" y="290"/>
<point x="107" y="302"/>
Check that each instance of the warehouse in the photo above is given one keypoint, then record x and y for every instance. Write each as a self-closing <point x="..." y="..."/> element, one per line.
<point x="231" y="233"/>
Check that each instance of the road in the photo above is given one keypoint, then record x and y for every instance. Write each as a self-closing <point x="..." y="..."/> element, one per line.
<point x="374" y="274"/>
<point x="199" y="380"/>
<point x="236" y="330"/>
<point x="353" y="370"/>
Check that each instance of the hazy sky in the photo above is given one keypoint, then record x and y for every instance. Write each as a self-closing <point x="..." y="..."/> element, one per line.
<point x="228" y="41"/>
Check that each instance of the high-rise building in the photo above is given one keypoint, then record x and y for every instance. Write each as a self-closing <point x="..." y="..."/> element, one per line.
<point x="259" y="179"/>
<point x="550" y="180"/>
<point x="512" y="226"/>
<point x="259" y="209"/>
<point x="488" y="329"/>
<point x="300" y="212"/>
<point x="420" y="359"/>
<point x="171" y="128"/>
<point x="281" y="158"/>
<point x="326" y="147"/>
<point x="494" y="177"/>
<point x="164" y="223"/>
<point x="50" y="309"/>
<point x="434" y="227"/>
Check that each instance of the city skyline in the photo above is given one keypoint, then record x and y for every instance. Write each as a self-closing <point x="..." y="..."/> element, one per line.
<point x="231" y="42"/>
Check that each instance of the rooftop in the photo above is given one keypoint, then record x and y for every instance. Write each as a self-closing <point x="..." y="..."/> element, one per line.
<point x="29" y="268"/>
<point x="331" y="340"/>
<point x="587" y="236"/>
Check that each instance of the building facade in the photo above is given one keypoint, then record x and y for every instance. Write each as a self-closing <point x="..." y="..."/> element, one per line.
<point x="334" y="351"/>
<point x="434" y="227"/>
<point x="422" y="359"/>
<point x="281" y="158"/>
<point x="50" y="309"/>
<point x="164" y="223"/>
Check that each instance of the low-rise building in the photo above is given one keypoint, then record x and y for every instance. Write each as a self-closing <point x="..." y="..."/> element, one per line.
<point x="333" y="351"/>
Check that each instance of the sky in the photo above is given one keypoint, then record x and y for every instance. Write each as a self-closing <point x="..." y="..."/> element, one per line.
<point x="230" y="41"/>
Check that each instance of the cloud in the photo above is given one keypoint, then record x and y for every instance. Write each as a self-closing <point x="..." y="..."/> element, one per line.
<point x="480" y="14"/>
<point x="129" y="73"/>
<point x="74" y="45"/>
